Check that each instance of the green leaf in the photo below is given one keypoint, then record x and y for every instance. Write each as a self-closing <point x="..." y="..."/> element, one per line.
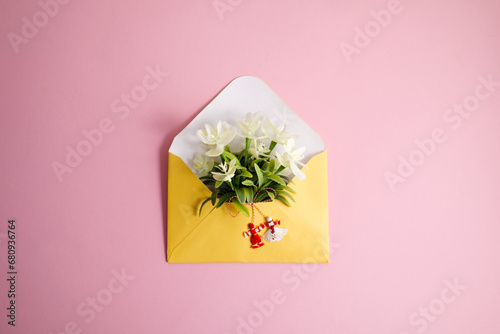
<point x="280" y="169"/>
<point x="224" y="198"/>
<point x="240" y="192"/>
<point x="245" y="172"/>
<point x="283" y="199"/>
<point x="247" y="183"/>
<point x="264" y="195"/>
<point x="261" y="196"/>
<point x="218" y="184"/>
<point x="277" y="179"/>
<point x="256" y="162"/>
<point x="271" y="166"/>
<point x="286" y="178"/>
<point x="208" y="184"/>
<point x="272" y="146"/>
<point x="270" y="194"/>
<point x="248" y="194"/>
<point x="259" y="175"/>
<point x="240" y="155"/>
<point x="268" y="184"/>
<point x="214" y="197"/>
<point x="282" y="192"/>
<point x="228" y="156"/>
<point x="243" y="208"/>
<point x="286" y="188"/>
<point x="203" y="204"/>
<point x="236" y="181"/>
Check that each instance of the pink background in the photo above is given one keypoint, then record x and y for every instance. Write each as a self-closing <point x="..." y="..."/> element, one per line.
<point x="393" y="252"/>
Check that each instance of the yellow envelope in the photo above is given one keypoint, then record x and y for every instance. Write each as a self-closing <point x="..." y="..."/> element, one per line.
<point x="215" y="236"/>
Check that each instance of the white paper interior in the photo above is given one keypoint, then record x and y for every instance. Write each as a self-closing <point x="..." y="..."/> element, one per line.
<point x="243" y="95"/>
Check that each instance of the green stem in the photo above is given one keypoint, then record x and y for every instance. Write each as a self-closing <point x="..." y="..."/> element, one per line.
<point x="247" y="147"/>
<point x="271" y="147"/>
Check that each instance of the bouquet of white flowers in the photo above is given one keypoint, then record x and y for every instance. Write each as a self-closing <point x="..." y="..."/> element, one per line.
<point x="259" y="172"/>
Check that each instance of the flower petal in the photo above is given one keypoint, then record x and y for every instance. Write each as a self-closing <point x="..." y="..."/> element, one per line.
<point x="215" y="151"/>
<point x="296" y="171"/>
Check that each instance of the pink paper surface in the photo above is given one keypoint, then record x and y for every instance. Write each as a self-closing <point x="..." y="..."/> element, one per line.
<point x="405" y="95"/>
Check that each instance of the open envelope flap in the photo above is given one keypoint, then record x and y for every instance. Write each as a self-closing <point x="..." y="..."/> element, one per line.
<point x="217" y="237"/>
<point x="245" y="94"/>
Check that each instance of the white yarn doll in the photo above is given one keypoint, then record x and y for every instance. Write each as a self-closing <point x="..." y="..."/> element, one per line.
<point x="274" y="233"/>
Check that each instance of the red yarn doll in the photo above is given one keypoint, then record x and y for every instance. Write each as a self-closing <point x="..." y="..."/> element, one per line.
<point x="254" y="237"/>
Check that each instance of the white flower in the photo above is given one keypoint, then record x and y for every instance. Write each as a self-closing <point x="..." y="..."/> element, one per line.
<point x="277" y="134"/>
<point x="285" y="114"/>
<point x="202" y="164"/>
<point x="227" y="172"/>
<point x="216" y="138"/>
<point x="257" y="149"/>
<point x="250" y="124"/>
<point x="291" y="158"/>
